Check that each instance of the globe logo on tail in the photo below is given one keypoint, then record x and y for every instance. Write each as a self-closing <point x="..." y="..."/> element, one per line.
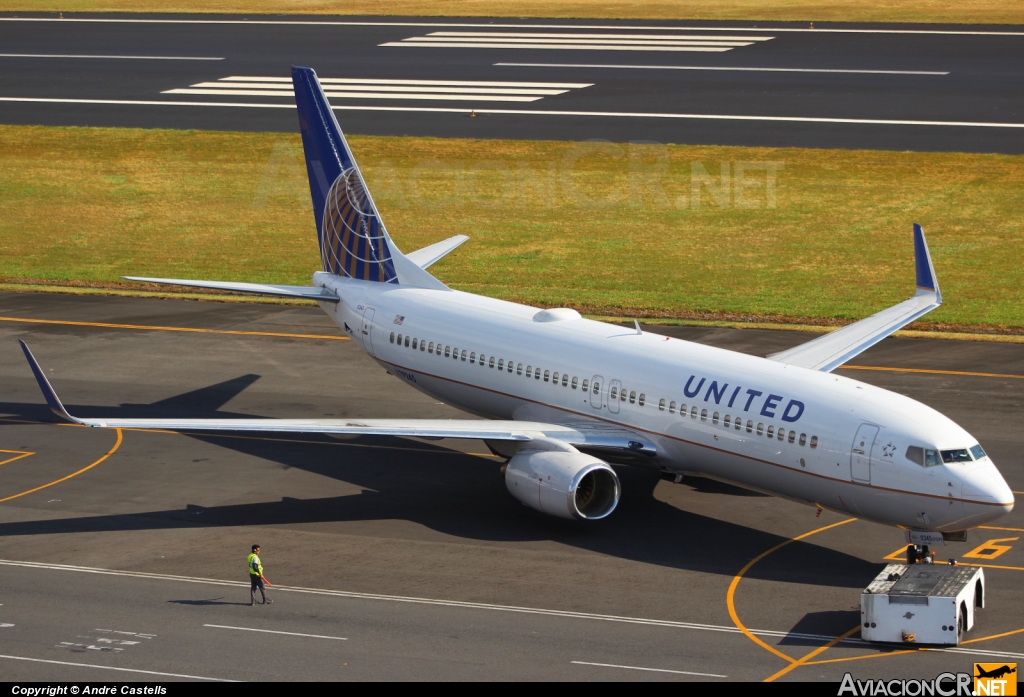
<point x="354" y="242"/>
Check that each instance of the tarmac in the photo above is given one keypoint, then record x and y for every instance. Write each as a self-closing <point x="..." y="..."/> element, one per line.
<point x="122" y="554"/>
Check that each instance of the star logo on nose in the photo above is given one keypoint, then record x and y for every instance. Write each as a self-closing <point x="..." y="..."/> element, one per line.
<point x="888" y="450"/>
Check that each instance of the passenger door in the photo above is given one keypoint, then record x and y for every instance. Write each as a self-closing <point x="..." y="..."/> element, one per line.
<point x="366" y="330"/>
<point x="860" y="455"/>
<point x="614" y="387"/>
<point x="596" y="387"/>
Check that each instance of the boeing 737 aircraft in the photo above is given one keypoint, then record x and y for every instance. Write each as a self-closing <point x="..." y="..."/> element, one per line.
<point x="567" y="396"/>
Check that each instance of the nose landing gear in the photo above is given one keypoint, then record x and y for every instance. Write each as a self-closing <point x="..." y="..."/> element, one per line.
<point x="919" y="554"/>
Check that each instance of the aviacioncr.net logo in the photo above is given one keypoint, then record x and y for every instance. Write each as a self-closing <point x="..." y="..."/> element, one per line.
<point x="945" y="685"/>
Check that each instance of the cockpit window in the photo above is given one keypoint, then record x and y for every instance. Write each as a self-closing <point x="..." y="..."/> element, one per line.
<point x="961" y="455"/>
<point x="977" y="452"/>
<point x="924" y="456"/>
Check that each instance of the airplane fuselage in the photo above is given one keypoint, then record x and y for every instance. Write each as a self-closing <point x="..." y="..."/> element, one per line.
<point x="804" y="435"/>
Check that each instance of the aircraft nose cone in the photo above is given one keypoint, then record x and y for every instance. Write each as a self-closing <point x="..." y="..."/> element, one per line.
<point x="986" y="486"/>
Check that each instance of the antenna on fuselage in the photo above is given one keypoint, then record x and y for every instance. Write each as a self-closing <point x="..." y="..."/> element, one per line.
<point x="637" y="325"/>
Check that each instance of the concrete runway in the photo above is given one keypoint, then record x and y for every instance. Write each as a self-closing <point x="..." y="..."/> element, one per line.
<point x="401" y="559"/>
<point x="901" y="87"/>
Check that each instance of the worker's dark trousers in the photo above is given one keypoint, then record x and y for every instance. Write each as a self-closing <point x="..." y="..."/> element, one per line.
<point x="256" y="582"/>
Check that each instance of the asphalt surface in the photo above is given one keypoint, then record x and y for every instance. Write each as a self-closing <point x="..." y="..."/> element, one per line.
<point x="402" y="559"/>
<point x="932" y="77"/>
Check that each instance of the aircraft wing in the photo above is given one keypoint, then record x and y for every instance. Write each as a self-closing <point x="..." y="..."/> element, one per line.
<point x="828" y="352"/>
<point x="311" y="292"/>
<point x="590" y="436"/>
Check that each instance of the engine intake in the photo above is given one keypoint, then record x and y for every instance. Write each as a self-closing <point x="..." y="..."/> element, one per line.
<point x="563" y="484"/>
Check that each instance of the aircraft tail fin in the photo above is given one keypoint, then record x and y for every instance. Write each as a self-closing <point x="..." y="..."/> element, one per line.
<point x="353" y="241"/>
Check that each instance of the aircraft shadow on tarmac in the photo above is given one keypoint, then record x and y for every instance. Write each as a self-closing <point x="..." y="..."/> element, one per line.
<point x="459" y="495"/>
<point x="210" y="601"/>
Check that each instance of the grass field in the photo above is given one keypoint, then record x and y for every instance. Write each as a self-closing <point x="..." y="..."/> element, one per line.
<point x="648" y="231"/>
<point x="964" y="11"/>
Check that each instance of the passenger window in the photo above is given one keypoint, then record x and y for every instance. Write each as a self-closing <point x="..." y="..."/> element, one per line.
<point x="414" y="345"/>
<point x="622" y="396"/>
<point x="519" y="369"/>
<point x="430" y="348"/>
<point x="661" y="405"/>
<point x="597" y="388"/>
<point x="392" y="337"/>
<point x="703" y="414"/>
<point x="750" y="426"/>
<point x="632" y="397"/>
<point x="399" y="339"/>
<point x="760" y="429"/>
<point x="803" y="439"/>
<point x="916" y="455"/>
<point x="536" y="374"/>
<point x="565" y="380"/>
<point x="510" y="366"/>
<point x="739" y="423"/>
<point x="728" y="421"/>
<point x="575" y="382"/>
<point x="782" y="433"/>
<point x="792" y="436"/>
<point x="682" y="410"/>
<point x="714" y="418"/>
<point x="554" y="378"/>
<point x="585" y="386"/>
<point x="501" y="364"/>
<point x="407" y="342"/>
<point x="423" y="346"/>
<point x="529" y="371"/>
<point x="490" y="362"/>
<point x="447" y="351"/>
<point x="642" y="399"/>
<point x="472" y="357"/>
<point x="814" y="442"/>
<point x="671" y="407"/>
<point x="977" y="452"/>
<point x="931" y="458"/>
<point x="693" y="413"/>
<point x="771" y="431"/>
<point x="547" y="374"/>
<point x="614" y="393"/>
<point x="463" y="354"/>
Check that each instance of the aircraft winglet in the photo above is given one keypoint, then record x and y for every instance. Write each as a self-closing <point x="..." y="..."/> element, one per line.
<point x="923" y="262"/>
<point x="48" y="392"/>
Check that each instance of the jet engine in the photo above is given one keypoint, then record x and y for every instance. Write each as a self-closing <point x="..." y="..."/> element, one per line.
<point x="563" y="484"/>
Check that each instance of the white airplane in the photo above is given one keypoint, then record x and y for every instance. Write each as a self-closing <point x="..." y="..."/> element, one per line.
<point x="568" y="395"/>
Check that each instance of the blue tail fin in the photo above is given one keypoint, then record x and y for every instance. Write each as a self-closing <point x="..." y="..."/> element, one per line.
<point x="353" y="241"/>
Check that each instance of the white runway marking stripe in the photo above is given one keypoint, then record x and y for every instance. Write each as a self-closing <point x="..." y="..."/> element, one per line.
<point x="801" y="30"/>
<point x="367" y="88"/>
<point x="365" y="95"/>
<point x="652" y="670"/>
<point x="724" y="68"/>
<point x="371" y="81"/>
<point x="137" y="58"/>
<point x="668" y="37"/>
<point x="560" y="47"/>
<point x="271" y="631"/>
<point x="287" y="88"/>
<point x="122" y="670"/>
<point x="596" y="43"/>
<point x="528" y="112"/>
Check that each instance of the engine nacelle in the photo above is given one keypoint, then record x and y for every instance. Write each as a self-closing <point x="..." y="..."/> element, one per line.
<point x="563" y="484"/>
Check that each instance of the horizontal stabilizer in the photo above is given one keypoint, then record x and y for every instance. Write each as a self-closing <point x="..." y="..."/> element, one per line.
<point x="428" y="255"/>
<point x="583" y="435"/>
<point x="828" y="352"/>
<point x="310" y="292"/>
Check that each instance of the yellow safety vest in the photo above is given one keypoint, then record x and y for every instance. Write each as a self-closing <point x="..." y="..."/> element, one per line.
<point x="255" y="567"/>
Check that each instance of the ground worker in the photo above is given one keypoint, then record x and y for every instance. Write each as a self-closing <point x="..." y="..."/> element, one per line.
<point x="256" y="578"/>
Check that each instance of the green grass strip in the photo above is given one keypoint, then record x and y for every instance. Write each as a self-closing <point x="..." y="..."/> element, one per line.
<point x="628" y="230"/>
